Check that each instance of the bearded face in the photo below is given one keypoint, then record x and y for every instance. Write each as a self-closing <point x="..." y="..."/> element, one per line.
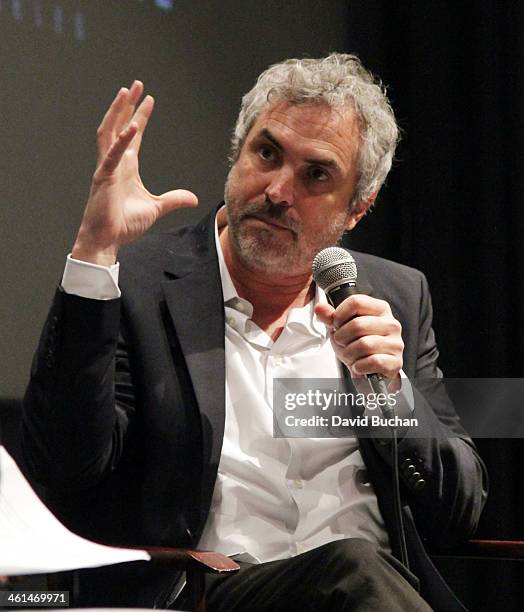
<point x="272" y="238"/>
<point x="288" y="192"/>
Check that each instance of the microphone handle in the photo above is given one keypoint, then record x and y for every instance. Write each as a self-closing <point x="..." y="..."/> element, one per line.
<point x="336" y="295"/>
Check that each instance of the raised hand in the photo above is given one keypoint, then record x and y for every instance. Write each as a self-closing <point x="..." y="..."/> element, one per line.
<point x="120" y="208"/>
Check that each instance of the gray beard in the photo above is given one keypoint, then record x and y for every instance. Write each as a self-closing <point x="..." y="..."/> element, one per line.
<point x="266" y="251"/>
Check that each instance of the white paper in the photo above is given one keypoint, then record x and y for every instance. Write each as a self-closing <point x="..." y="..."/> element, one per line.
<point x="33" y="541"/>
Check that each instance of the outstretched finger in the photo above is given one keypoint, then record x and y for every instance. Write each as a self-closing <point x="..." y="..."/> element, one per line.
<point x="105" y="132"/>
<point x="141" y="118"/>
<point x="135" y="91"/>
<point x="118" y="148"/>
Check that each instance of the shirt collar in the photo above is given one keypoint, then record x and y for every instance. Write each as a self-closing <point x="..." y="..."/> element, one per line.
<point x="228" y="288"/>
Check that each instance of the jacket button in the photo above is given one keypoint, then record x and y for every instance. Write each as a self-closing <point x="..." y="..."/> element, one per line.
<point x="419" y="485"/>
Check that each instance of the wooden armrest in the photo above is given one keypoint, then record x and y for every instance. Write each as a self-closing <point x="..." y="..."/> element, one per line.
<point x="205" y="560"/>
<point x="503" y="549"/>
<point x="488" y="549"/>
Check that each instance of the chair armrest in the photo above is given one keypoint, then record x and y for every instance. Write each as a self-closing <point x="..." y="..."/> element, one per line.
<point x="498" y="549"/>
<point x="512" y="550"/>
<point x="183" y="558"/>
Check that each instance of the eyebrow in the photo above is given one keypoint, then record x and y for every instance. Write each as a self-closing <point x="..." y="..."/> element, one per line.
<point x="328" y="163"/>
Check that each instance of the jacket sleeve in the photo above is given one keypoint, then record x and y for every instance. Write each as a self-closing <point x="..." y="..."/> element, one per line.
<point x="444" y="480"/>
<point x="79" y="403"/>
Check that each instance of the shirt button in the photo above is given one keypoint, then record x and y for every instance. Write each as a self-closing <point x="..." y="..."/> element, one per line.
<point x="278" y="361"/>
<point x="240" y="307"/>
<point x="298" y="483"/>
<point x="231" y="322"/>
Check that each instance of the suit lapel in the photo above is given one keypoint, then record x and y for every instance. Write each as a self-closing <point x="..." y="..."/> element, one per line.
<point x="195" y="304"/>
<point x="363" y="282"/>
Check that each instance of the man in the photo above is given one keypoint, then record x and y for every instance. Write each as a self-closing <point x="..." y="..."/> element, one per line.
<point x="154" y="405"/>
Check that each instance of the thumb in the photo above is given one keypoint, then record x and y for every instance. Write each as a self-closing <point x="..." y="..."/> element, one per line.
<point x="178" y="198"/>
<point x="325" y="314"/>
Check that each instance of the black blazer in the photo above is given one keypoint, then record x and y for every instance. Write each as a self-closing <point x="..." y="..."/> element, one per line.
<point x="124" y="415"/>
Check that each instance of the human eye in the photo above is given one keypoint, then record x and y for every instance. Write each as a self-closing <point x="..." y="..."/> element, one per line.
<point x="318" y="174"/>
<point x="267" y="152"/>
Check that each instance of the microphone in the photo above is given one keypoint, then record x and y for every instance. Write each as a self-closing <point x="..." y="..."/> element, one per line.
<point x="335" y="271"/>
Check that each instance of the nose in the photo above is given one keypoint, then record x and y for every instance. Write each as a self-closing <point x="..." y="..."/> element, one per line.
<point x="281" y="187"/>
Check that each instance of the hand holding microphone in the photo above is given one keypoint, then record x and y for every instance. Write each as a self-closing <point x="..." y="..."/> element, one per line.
<point x="365" y="335"/>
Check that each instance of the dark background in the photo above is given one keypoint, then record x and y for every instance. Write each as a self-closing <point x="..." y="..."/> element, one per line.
<point x="451" y="206"/>
<point x="452" y="209"/>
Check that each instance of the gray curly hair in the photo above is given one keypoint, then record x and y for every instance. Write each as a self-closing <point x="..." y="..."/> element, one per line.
<point x="338" y="80"/>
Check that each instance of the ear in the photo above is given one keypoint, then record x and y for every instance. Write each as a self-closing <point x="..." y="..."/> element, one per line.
<point x="359" y="211"/>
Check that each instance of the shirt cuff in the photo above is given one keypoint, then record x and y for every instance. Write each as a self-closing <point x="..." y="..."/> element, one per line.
<point x="90" y="280"/>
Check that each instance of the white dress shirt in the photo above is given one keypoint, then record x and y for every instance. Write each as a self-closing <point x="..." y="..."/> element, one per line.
<point x="277" y="497"/>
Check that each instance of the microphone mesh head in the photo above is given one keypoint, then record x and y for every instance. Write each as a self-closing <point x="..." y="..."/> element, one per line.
<point x="333" y="267"/>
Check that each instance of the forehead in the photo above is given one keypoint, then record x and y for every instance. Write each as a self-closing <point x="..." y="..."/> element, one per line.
<point x="312" y="127"/>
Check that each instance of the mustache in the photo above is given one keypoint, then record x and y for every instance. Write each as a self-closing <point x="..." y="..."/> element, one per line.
<point x="273" y="212"/>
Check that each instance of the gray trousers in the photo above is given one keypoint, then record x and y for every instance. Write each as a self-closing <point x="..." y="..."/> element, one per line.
<point x="351" y="574"/>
